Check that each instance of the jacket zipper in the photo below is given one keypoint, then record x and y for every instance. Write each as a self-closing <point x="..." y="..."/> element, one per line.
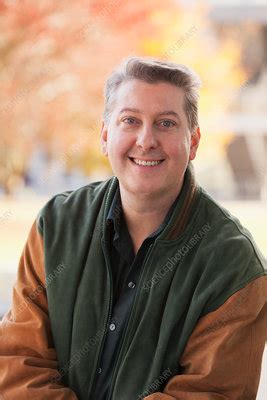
<point x="126" y="327"/>
<point x="103" y="243"/>
<point x="91" y="390"/>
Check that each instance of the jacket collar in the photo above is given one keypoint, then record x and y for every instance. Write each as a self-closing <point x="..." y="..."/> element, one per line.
<point x="178" y="215"/>
<point x="188" y="200"/>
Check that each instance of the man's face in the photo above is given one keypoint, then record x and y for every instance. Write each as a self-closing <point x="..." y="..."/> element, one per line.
<point x="147" y="139"/>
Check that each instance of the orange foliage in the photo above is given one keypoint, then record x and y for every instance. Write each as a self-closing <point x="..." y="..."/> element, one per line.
<point x="55" y="56"/>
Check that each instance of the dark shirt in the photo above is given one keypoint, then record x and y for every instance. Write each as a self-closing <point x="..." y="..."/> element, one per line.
<point x="126" y="268"/>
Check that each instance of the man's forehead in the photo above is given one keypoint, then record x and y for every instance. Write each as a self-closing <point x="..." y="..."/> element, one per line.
<point x="142" y="85"/>
<point x="158" y="97"/>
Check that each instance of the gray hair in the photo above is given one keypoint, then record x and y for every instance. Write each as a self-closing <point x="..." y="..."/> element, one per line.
<point x="153" y="70"/>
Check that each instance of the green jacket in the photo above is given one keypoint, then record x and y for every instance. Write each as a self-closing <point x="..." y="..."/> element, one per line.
<point x="202" y="258"/>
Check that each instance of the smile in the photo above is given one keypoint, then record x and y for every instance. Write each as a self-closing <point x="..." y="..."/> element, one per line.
<point x="148" y="163"/>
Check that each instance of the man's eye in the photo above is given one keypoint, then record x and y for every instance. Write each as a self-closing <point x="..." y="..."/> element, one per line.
<point x="129" y="120"/>
<point x="166" y="123"/>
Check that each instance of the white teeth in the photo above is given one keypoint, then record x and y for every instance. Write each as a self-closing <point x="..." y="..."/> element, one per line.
<point x="146" y="163"/>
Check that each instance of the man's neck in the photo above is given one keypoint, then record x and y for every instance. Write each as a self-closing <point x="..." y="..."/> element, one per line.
<point x="144" y="213"/>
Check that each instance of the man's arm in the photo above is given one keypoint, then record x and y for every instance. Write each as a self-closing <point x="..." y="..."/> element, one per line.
<point x="222" y="359"/>
<point x="28" y="361"/>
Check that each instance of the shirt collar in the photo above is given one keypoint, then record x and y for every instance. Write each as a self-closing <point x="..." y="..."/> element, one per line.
<point x="115" y="210"/>
<point x="114" y="214"/>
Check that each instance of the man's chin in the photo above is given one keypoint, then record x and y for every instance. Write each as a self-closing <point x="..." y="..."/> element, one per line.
<point x="142" y="188"/>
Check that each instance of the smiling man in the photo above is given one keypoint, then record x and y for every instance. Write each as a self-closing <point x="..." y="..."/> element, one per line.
<point x="149" y="144"/>
<point x="140" y="286"/>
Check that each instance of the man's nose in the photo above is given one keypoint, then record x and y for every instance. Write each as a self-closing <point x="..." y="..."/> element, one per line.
<point x="146" y="137"/>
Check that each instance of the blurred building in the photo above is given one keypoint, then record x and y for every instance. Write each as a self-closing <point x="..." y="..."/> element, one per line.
<point x="247" y="153"/>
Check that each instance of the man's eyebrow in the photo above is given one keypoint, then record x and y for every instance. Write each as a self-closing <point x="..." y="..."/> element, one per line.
<point x="170" y="113"/>
<point x="127" y="109"/>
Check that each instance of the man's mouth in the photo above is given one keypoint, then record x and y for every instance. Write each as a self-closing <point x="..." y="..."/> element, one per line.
<point x="146" y="163"/>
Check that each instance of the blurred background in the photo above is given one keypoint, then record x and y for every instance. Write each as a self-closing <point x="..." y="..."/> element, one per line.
<point x="54" y="59"/>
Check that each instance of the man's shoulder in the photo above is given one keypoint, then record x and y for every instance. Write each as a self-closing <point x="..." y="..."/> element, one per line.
<point x="74" y="203"/>
<point x="228" y="242"/>
<point x="228" y="258"/>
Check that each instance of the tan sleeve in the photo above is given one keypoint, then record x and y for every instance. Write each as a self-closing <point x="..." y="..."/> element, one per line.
<point x="28" y="361"/>
<point x="222" y="358"/>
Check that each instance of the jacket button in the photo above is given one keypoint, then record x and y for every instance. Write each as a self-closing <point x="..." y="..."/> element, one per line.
<point x="99" y="370"/>
<point x="131" y="285"/>
<point x="112" y="327"/>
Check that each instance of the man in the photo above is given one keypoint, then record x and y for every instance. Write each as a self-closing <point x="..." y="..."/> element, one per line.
<point x="141" y="286"/>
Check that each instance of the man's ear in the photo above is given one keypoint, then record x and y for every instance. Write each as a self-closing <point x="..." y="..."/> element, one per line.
<point x="195" y="138"/>
<point x="103" y="138"/>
